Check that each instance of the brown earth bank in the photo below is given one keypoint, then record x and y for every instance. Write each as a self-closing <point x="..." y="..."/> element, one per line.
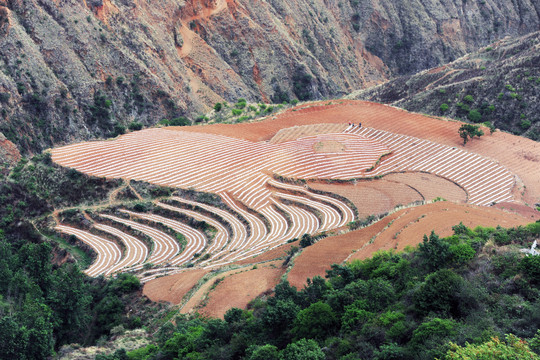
<point x="252" y="280"/>
<point x="523" y="210"/>
<point x="9" y="154"/>
<point x="398" y="230"/>
<point x="238" y="289"/>
<point x="173" y="288"/>
<point x="372" y="197"/>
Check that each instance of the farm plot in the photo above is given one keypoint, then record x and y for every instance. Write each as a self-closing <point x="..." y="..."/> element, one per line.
<point x="259" y="213"/>
<point x="484" y="180"/>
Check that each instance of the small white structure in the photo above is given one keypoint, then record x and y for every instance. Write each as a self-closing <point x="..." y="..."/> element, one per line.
<point x="532" y="250"/>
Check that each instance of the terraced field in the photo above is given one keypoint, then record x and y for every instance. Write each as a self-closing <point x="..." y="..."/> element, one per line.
<point x="263" y="201"/>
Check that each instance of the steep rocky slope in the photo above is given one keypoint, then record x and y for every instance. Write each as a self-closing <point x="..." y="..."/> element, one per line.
<point x="499" y="83"/>
<point x="81" y="69"/>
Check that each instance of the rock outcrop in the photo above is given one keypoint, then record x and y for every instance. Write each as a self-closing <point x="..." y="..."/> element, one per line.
<point x="75" y="70"/>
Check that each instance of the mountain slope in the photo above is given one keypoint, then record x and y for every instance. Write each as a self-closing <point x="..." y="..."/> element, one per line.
<point x="499" y="83"/>
<point x="83" y="69"/>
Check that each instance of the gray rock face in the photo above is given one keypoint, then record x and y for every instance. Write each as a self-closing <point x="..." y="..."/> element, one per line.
<point x="78" y="70"/>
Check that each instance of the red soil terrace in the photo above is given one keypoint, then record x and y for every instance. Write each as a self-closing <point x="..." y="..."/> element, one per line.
<point x="403" y="228"/>
<point x="426" y="160"/>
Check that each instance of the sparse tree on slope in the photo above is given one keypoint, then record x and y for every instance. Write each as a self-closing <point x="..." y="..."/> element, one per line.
<point x="467" y="131"/>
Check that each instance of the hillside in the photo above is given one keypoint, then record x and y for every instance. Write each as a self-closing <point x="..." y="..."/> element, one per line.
<point x="84" y="69"/>
<point x="211" y="217"/>
<point x="300" y="175"/>
<point x="499" y="83"/>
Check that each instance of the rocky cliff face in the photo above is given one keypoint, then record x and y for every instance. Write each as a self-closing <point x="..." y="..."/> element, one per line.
<point x="77" y="69"/>
<point x="499" y="83"/>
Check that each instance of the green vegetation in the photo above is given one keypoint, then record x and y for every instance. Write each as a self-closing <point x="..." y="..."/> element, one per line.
<point x="469" y="131"/>
<point x="179" y="121"/>
<point x="525" y="124"/>
<point x="452" y="298"/>
<point x="135" y="125"/>
<point x="495" y="349"/>
<point x="302" y="84"/>
<point x="474" y="116"/>
<point x="444" y="108"/>
<point x="43" y="306"/>
<point x="490" y="126"/>
<point x="469" y="99"/>
<point x="240" y="104"/>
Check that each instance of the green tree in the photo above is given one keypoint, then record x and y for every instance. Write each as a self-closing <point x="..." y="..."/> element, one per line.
<point x="474" y="116"/>
<point x="461" y="253"/>
<point x="263" y="352"/>
<point x="432" y="336"/>
<point x="513" y="348"/>
<point x="467" y="131"/>
<point x="434" y="251"/>
<point x="135" y="125"/>
<point x="439" y="293"/>
<point x="530" y="266"/>
<point x="315" y="322"/>
<point x="468" y="98"/>
<point x="278" y="319"/>
<point x="303" y="350"/>
<point x="183" y="344"/>
<point x="306" y="240"/>
<point x="490" y="126"/>
<point x="36" y="320"/>
<point x="70" y="300"/>
<point x="444" y="107"/>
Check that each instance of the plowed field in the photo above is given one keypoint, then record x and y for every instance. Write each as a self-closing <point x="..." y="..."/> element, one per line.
<point x="403" y="228"/>
<point x="394" y="158"/>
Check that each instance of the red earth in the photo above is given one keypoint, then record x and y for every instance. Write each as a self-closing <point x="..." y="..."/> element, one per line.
<point x="520" y="156"/>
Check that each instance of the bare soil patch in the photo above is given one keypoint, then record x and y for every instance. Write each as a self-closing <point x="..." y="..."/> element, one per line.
<point x="173" y="288"/>
<point x="430" y="186"/>
<point x="296" y="132"/>
<point x="238" y="289"/>
<point x="328" y="146"/>
<point x="403" y="228"/>
<point x="279" y="252"/>
<point x="372" y="196"/>
<point x="411" y="225"/>
<point x="317" y="258"/>
<point x="520" y="209"/>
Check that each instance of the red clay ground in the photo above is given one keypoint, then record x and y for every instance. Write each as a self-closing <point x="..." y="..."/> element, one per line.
<point x="296" y="132"/>
<point x="430" y="186"/>
<point x="407" y="229"/>
<point x="239" y="289"/>
<point x="373" y="197"/>
<point x="382" y="195"/>
<point x="520" y="155"/>
<point x="174" y="287"/>
<point x="276" y="253"/>
<point x="522" y="210"/>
